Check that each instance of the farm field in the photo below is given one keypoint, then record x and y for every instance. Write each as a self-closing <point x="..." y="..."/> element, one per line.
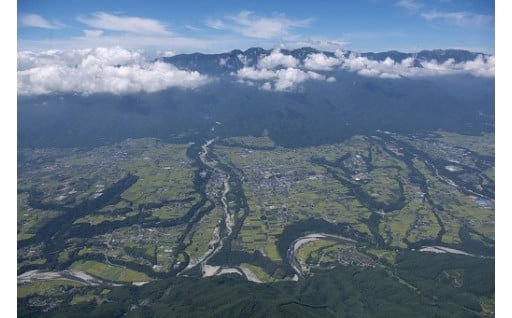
<point x="237" y="205"/>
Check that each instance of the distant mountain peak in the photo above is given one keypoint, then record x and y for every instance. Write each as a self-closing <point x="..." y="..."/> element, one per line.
<point x="226" y="63"/>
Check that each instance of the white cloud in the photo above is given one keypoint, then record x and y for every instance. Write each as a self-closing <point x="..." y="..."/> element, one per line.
<point x="103" y="29"/>
<point x="318" y="43"/>
<point x="129" y="41"/>
<point x="460" y="18"/>
<point x="165" y="53"/>
<point x="215" y="24"/>
<point x="315" y="76"/>
<point x="242" y="58"/>
<point x="285" y="79"/>
<point x="101" y="70"/>
<point x="366" y="67"/>
<point x="276" y="58"/>
<point x="118" y="71"/>
<point x="463" y="19"/>
<point x="249" y="25"/>
<point x="93" y="33"/>
<point x="223" y="61"/>
<point x="289" y="77"/>
<point x="480" y="66"/>
<point x="292" y="73"/>
<point x="255" y="74"/>
<point x="193" y="28"/>
<point x="135" y="25"/>
<point x="266" y="86"/>
<point x="410" y="5"/>
<point x="320" y="62"/>
<point x="37" y="21"/>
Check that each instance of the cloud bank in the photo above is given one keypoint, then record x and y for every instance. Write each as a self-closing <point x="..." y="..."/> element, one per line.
<point x="250" y="25"/>
<point x="101" y="70"/>
<point x="388" y="68"/>
<point x="278" y="72"/>
<point x="281" y="72"/>
<point x="285" y="79"/>
<point x="120" y="71"/>
<point x="321" y="62"/>
<point x="276" y="59"/>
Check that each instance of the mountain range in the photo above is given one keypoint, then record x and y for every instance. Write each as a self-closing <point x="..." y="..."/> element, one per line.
<point x="226" y="63"/>
<point x="299" y="97"/>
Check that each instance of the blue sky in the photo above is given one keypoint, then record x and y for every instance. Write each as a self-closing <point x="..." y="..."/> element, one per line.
<point x="218" y="26"/>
